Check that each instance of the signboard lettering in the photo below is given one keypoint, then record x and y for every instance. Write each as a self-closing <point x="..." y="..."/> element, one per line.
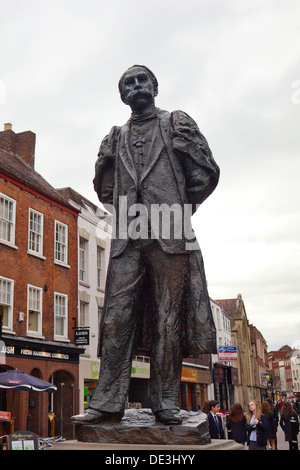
<point x="228" y="353"/>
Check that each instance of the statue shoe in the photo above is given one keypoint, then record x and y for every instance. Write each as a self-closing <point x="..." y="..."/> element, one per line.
<point x="168" y="417"/>
<point x="92" y="416"/>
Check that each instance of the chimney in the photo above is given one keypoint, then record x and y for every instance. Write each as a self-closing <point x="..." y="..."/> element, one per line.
<point x="22" y="144"/>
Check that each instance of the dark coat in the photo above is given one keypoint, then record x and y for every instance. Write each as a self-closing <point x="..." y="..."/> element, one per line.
<point x="215" y="432"/>
<point x="290" y="427"/>
<point x="262" y="430"/>
<point x="272" y="425"/>
<point x="237" y="431"/>
<point x="179" y="170"/>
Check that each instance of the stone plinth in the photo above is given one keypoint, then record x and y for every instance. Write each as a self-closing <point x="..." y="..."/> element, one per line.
<point x="139" y="427"/>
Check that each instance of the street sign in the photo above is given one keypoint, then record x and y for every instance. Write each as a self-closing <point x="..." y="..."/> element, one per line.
<point x="228" y="353"/>
<point x="265" y="377"/>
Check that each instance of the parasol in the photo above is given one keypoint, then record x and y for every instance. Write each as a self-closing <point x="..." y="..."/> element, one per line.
<point x="18" y="380"/>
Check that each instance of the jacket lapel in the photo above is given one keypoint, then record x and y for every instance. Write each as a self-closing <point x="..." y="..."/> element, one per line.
<point x="125" y="153"/>
<point x="155" y="149"/>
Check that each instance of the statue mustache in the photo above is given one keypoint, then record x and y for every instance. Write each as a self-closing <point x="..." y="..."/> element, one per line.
<point x="140" y="92"/>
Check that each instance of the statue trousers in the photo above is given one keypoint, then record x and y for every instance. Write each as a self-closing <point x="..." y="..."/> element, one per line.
<point x="167" y="274"/>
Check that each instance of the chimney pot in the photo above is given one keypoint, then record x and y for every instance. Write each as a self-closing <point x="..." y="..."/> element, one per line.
<point x="7" y="126"/>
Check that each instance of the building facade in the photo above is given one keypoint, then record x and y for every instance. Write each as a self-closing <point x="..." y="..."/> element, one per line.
<point x="260" y="363"/>
<point x="245" y="389"/>
<point x="38" y="289"/>
<point x="94" y="237"/>
<point x="225" y="373"/>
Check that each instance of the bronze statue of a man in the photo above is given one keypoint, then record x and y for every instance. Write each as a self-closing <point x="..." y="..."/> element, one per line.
<point x="158" y="165"/>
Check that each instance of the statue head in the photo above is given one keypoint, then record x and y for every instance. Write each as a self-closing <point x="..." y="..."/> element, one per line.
<point x="138" y="86"/>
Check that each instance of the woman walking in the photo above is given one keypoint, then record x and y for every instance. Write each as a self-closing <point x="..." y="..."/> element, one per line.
<point x="235" y="424"/>
<point x="290" y="425"/>
<point x="256" y="427"/>
<point x="275" y="423"/>
<point x="266" y="410"/>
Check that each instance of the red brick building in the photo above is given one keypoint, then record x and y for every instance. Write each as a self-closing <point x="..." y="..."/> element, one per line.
<point x="38" y="288"/>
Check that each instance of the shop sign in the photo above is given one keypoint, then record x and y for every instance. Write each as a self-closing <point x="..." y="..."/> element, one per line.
<point x="141" y="372"/>
<point x="265" y="377"/>
<point x="228" y="353"/>
<point x="188" y="375"/>
<point x="23" y="440"/>
<point x="82" y="337"/>
<point x="5" y="416"/>
<point x="44" y="354"/>
<point x="6" y="349"/>
<point x="95" y="366"/>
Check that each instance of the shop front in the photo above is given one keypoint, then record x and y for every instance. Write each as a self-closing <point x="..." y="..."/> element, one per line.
<point x="225" y="380"/>
<point x="40" y="412"/>
<point x="139" y="390"/>
<point x="220" y="387"/>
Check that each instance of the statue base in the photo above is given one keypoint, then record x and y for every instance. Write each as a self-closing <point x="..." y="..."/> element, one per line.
<point x="138" y="426"/>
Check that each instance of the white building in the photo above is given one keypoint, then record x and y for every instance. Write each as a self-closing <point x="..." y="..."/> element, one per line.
<point x="222" y="388"/>
<point x="94" y="238"/>
<point x="295" y="366"/>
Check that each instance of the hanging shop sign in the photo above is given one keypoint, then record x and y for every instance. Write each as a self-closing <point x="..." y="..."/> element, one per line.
<point x="82" y="337"/>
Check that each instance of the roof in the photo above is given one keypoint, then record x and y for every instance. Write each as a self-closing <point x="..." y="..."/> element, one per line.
<point x="16" y="168"/>
<point x="70" y="193"/>
<point x="230" y="305"/>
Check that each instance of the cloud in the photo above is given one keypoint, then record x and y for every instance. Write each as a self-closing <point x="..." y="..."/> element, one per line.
<point x="231" y="66"/>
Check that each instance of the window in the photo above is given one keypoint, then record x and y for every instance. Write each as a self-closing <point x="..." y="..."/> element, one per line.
<point x="99" y="266"/>
<point x="83" y="319"/>
<point x="61" y="243"/>
<point x="83" y="260"/>
<point x="7" y="219"/>
<point x="34" y="316"/>
<point x="6" y="301"/>
<point x="61" y="315"/>
<point x="35" y="239"/>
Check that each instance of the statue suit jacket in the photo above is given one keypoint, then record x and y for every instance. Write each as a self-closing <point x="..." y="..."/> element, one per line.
<point x="180" y="170"/>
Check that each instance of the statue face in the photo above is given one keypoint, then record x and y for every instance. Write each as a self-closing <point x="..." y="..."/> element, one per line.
<point x="138" y="89"/>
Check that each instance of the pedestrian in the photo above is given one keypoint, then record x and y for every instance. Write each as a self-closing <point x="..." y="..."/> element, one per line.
<point x="275" y="423"/>
<point x="266" y="410"/>
<point x="280" y="405"/>
<point x="256" y="427"/>
<point x="215" y="422"/>
<point x="205" y="407"/>
<point x="235" y="424"/>
<point x="290" y="425"/>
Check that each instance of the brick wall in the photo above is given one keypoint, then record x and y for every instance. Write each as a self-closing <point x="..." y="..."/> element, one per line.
<point x="26" y="269"/>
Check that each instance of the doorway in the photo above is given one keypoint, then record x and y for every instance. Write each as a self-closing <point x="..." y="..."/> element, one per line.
<point x="63" y="403"/>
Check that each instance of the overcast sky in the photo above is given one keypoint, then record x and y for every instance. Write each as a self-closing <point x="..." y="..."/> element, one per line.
<point x="232" y="65"/>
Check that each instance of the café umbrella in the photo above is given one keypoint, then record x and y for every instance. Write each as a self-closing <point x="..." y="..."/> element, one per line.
<point x="17" y="380"/>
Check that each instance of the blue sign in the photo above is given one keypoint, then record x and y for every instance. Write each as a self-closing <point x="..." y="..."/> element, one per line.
<point x="228" y="353"/>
